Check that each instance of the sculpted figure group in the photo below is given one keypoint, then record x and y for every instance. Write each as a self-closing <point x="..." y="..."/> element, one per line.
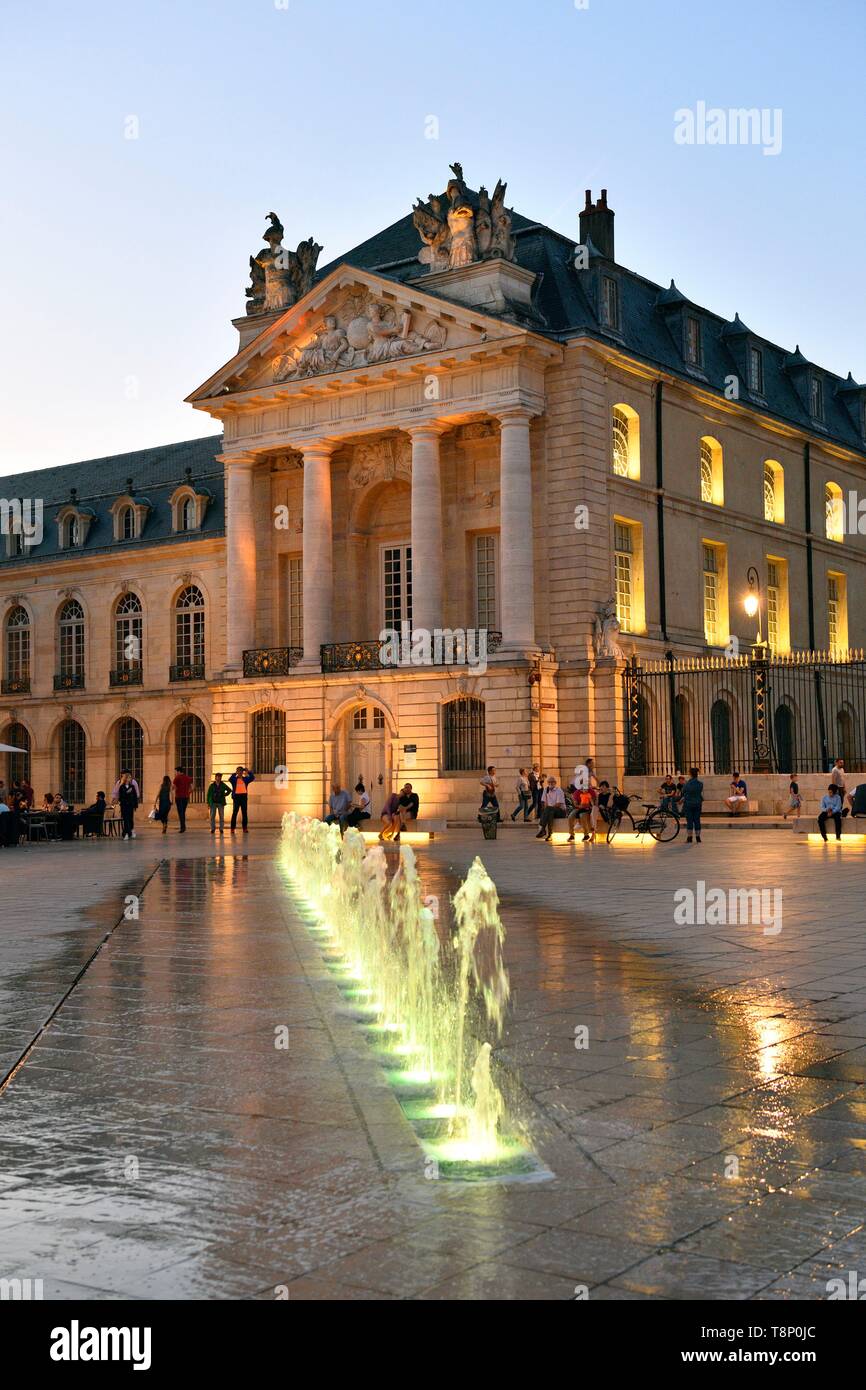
<point x="459" y="227"/>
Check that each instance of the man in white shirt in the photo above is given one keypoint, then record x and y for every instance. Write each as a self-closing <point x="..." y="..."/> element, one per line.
<point x="552" y="808"/>
<point x="840" y="782"/>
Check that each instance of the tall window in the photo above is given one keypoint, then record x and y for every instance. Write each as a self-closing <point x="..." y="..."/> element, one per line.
<point x="18" y="764"/>
<point x="129" y="749"/>
<point x="128" y="633"/>
<point x="71" y="640"/>
<point x="756" y="371"/>
<point x="463" y="735"/>
<point x="295" y="580"/>
<point x="72" y="758"/>
<point x="609" y="302"/>
<point x="712" y="471"/>
<point x="189" y="627"/>
<point x="189" y="752"/>
<point x="624" y="575"/>
<point x="834" y="512"/>
<point x="774" y="605"/>
<point x="269" y="740"/>
<point x="816" y="397"/>
<point x="774" y="491"/>
<point x="694" y="350"/>
<point x="127" y="524"/>
<point x="485" y="582"/>
<point x="712" y="597"/>
<point x="625" y="441"/>
<point x="69" y="533"/>
<point x="837" y="613"/>
<point x="706" y="472"/>
<point x="186" y="514"/>
<point x="18" y="649"/>
<point x="397" y="584"/>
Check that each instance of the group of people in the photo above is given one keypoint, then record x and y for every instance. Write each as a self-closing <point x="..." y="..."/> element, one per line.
<point x="345" y="810"/>
<point x="586" y="799"/>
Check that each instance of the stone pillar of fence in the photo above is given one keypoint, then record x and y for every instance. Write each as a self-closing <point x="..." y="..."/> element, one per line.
<point x="609" y="748"/>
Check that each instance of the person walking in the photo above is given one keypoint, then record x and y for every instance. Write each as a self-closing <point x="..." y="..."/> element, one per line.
<point x="831" y="809"/>
<point x="489" y="792"/>
<point x="795" y="802"/>
<point x="126" y="797"/>
<point x="218" y="794"/>
<point x="523" y="787"/>
<point x="182" y="785"/>
<point x="162" y="803"/>
<point x="240" y="781"/>
<point x="693" y="800"/>
<point x="536" y="787"/>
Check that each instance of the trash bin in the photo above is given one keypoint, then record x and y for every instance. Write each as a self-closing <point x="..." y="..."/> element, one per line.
<point x="489" y="820"/>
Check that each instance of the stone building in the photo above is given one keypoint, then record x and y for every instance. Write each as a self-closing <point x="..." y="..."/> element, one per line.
<point x="507" y="440"/>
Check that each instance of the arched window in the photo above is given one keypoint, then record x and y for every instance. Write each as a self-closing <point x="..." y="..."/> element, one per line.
<point x="463" y="735"/>
<point x="268" y="740"/>
<point x="72" y="758"/>
<point x="783" y="730"/>
<point x="70" y="644"/>
<point x="848" y="742"/>
<point x="834" y="512"/>
<point x="17" y="764"/>
<point x="189" y="631"/>
<point x="774" y="491"/>
<point x="17" y="651"/>
<point x="129" y="749"/>
<point x="189" y="752"/>
<point x="69" y="533"/>
<point x="128" y="632"/>
<point x="186" y="514"/>
<point x="682" y="734"/>
<point x="127" y="524"/>
<point x="712" y="473"/>
<point x="625" y="441"/>
<point x="720" y="733"/>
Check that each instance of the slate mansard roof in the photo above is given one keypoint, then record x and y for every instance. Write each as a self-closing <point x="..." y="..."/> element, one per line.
<point x="155" y="474"/>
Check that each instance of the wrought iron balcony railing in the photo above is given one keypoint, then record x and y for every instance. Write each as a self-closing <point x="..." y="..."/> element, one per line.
<point x="271" y="661"/>
<point x="132" y="676"/>
<point x="70" y="680"/>
<point x="16" y="685"/>
<point x="187" y="671"/>
<point x="457" y="647"/>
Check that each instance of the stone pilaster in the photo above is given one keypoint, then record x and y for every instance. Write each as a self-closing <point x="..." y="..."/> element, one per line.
<point x="516" y="551"/>
<point x="427" y="559"/>
<point x="240" y="559"/>
<point x="318" y="551"/>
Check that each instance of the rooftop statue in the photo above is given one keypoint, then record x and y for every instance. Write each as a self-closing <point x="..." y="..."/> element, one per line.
<point x="279" y="278"/>
<point x="459" y="227"/>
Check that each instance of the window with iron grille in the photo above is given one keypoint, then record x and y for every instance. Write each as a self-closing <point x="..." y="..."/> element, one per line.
<point x="774" y="601"/>
<point x="189" y="627"/>
<point x="268" y="740"/>
<point x="706" y="472"/>
<point x="129" y="749"/>
<point x="463" y="735"/>
<point x="623" y="577"/>
<point x="18" y="645"/>
<point x="711" y="596"/>
<point x="73" y="757"/>
<point x="128" y="633"/>
<point x="18" y="763"/>
<point x="296" y="601"/>
<point x="485" y="582"/>
<point x="71" y="639"/>
<point x="619" y="431"/>
<point x="756" y="371"/>
<point x="189" y="752"/>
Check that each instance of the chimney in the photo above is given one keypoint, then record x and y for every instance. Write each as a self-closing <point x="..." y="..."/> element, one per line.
<point x="596" y="224"/>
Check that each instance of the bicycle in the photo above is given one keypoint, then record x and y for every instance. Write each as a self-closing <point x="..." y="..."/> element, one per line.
<point x="658" y="821"/>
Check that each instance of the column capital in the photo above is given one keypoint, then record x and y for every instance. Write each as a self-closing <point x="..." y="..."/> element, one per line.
<point x="514" y="414"/>
<point x="316" y="448"/>
<point x="239" y="460"/>
<point x="426" y="427"/>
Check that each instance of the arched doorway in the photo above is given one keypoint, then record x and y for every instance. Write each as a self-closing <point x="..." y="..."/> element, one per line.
<point x="720" y="732"/>
<point x="363" y="750"/>
<point x="72" y="761"/>
<point x="189" y="752"/>
<point x="783" y="728"/>
<point x="16" y="766"/>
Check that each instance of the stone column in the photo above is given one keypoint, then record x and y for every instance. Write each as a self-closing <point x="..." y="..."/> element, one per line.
<point x="426" y="526"/>
<point x="318" y="551"/>
<point x="240" y="559"/>
<point x="516" y="559"/>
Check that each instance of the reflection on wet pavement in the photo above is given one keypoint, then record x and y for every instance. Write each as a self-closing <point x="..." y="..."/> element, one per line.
<point x="708" y="1141"/>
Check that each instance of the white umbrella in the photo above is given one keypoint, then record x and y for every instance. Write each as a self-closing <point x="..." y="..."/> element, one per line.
<point x="7" y="748"/>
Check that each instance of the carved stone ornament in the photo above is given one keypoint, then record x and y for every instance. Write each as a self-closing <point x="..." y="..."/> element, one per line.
<point x="279" y="278"/>
<point x="363" y="333"/>
<point x="459" y="227"/>
<point x="477" y="429"/>
<point x="606" y="632"/>
<point x="381" y="460"/>
<point x="69" y="710"/>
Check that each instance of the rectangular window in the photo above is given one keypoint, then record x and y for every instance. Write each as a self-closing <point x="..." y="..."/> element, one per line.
<point x="774" y="603"/>
<point x="756" y="370"/>
<point x="715" y="593"/>
<point x="485" y="582"/>
<point x="397" y="585"/>
<point x="693" y="341"/>
<point x="817" y="398"/>
<point x="609" y="302"/>
<point x="296" y="601"/>
<point x="837" y="613"/>
<point x="623" y="575"/>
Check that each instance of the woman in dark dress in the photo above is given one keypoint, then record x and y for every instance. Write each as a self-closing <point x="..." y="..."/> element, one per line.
<point x="162" y="805"/>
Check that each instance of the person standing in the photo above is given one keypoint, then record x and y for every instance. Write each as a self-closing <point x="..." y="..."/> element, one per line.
<point x="831" y="809"/>
<point x="535" y="789"/>
<point x="125" y="796"/>
<point x="162" y="803"/>
<point x="523" y="787"/>
<point x="125" y="772"/>
<point x="693" y="800"/>
<point x="240" y="781"/>
<point x="182" y="785"/>
<point x="840" y="782"/>
<point x="218" y="794"/>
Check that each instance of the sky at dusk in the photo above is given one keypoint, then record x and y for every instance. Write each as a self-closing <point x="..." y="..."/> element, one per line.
<point x="124" y="260"/>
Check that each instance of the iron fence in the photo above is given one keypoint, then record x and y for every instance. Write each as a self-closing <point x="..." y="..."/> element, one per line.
<point x="789" y="714"/>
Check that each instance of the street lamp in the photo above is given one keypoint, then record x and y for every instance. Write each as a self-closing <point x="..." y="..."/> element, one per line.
<point x="752" y="601"/>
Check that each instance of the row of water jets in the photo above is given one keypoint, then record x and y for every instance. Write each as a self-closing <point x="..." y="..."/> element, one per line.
<point x="437" y="995"/>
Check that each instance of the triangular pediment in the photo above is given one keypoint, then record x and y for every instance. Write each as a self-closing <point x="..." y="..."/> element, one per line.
<point x="353" y="321"/>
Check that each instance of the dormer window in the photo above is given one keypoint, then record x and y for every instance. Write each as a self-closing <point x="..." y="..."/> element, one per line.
<point x="609" y="302"/>
<point x="816" y="398"/>
<point x="756" y="371"/>
<point x="694" y="346"/>
<point x="129" y="514"/>
<point x="127" y="524"/>
<point x="186" y="515"/>
<point x="188" y="506"/>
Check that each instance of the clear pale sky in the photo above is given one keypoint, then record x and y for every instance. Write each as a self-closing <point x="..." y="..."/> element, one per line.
<point x="124" y="260"/>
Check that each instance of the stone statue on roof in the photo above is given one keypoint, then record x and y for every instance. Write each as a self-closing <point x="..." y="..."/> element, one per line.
<point x="459" y="227"/>
<point x="279" y="278"/>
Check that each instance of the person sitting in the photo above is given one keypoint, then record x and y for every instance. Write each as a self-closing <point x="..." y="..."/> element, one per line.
<point x="739" y="797"/>
<point x="92" y="817"/>
<point x="339" y="807"/>
<point x="831" y="809"/>
<point x="668" y="794"/>
<point x="47" y="802"/>
<point x="552" y="808"/>
<point x="361" y="809"/>
<point x="604" y="795"/>
<point x="407" y="808"/>
<point x="390" y="817"/>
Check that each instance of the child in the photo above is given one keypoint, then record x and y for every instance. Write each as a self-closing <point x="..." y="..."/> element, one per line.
<point x="795" y="801"/>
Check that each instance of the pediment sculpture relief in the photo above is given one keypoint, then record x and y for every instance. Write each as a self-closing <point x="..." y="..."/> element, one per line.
<point x="459" y="227"/>
<point x="364" y="333"/>
<point x="279" y="278"/>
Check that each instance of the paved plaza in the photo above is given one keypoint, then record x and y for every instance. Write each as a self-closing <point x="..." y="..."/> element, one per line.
<point x="695" y="1090"/>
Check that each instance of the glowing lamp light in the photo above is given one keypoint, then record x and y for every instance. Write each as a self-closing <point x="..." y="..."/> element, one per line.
<point x="750" y="603"/>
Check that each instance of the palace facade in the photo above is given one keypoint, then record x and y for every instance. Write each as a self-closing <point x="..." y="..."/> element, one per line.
<point x="508" y="435"/>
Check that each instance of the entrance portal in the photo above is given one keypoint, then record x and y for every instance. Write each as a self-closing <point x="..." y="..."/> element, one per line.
<point x="363" y="751"/>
